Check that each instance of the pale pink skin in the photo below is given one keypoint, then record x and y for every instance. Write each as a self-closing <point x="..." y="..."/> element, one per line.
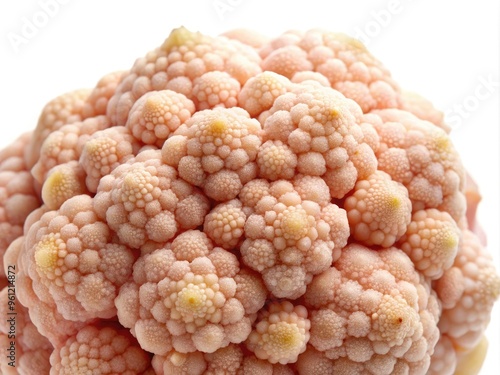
<point x="318" y="132"/>
<point x="32" y="349"/>
<point x="157" y="114"/>
<point x="216" y="150"/>
<point x="65" y="109"/>
<point x="97" y="102"/>
<point x="66" y="144"/>
<point x="19" y="195"/>
<point x="378" y="311"/>
<point x="423" y="109"/>
<point x="468" y="290"/>
<point x="103" y="350"/>
<point x="105" y="151"/>
<point x="173" y="68"/>
<point x="256" y="221"/>
<point x="72" y="262"/>
<point x="186" y="297"/>
<point x="422" y="157"/>
<point x="344" y="61"/>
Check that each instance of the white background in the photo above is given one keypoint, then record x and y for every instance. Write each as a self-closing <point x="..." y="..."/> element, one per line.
<point x="444" y="50"/>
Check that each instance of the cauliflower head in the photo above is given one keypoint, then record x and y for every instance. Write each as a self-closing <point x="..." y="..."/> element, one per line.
<point x="243" y="205"/>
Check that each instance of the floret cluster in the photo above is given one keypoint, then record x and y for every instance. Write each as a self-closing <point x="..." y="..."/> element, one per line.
<point x="243" y="205"/>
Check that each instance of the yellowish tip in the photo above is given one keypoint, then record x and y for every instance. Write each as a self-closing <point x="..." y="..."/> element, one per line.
<point x="151" y="107"/>
<point x="294" y="224"/>
<point x="190" y="300"/>
<point x="450" y="241"/>
<point x="471" y="362"/>
<point x="333" y="113"/>
<point x="179" y="37"/>
<point x="443" y="143"/>
<point x="393" y="203"/>
<point x="46" y="255"/>
<point x="218" y="127"/>
<point x="287" y="337"/>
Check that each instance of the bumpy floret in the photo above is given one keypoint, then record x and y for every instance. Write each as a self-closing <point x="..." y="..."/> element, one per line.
<point x="31" y="351"/>
<point x="421" y="157"/>
<point x="105" y="151"/>
<point x="423" y="109"/>
<point x="143" y="200"/>
<point x="379" y="210"/>
<point x="215" y="89"/>
<point x="18" y="193"/>
<point x="281" y="333"/>
<point x="316" y="131"/>
<point x="66" y="144"/>
<point x="469" y="289"/>
<point x="71" y="261"/>
<point x="220" y="230"/>
<point x="175" y="65"/>
<point x="344" y="61"/>
<point x="44" y="315"/>
<point x="372" y="312"/>
<point x="157" y="114"/>
<point x="431" y="241"/>
<point x="217" y="151"/>
<point x="97" y="102"/>
<point x="184" y="304"/>
<point x="288" y="240"/>
<point x="225" y="223"/>
<point x="63" y="182"/>
<point x="100" y="350"/>
<point x="260" y="92"/>
<point x="65" y="109"/>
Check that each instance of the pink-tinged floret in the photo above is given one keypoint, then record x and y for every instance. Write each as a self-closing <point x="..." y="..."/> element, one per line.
<point x="469" y="289"/>
<point x="372" y="312"/>
<point x="379" y="210"/>
<point x="105" y="151"/>
<point x="225" y="224"/>
<point x="32" y="350"/>
<point x="431" y="241"/>
<point x="281" y="333"/>
<point x="186" y="305"/>
<point x="444" y="358"/>
<point x="288" y="240"/>
<point x="103" y="350"/>
<point x="44" y="316"/>
<point x="215" y="89"/>
<point x="423" y="109"/>
<point x="72" y="262"/>
<point x="259" y="92"/>
<point x="97" y="102"/>
<point x="19" y="195"/>
<point x="66" y="144"/>
<point x="216" y="150"/>
<point x="62" y="110"/>
<point x="316" y="131"/>
<point x="177" y="63"/>
<point x="344" y="61"/>
<point x="422" y="157"/>
<point x="157" y="114"/>
<point x="63" y="182"/>
<point x="144" y="200"/>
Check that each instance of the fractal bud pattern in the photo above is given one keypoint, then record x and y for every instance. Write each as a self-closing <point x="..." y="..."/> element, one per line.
<point x="243" y="205"/>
